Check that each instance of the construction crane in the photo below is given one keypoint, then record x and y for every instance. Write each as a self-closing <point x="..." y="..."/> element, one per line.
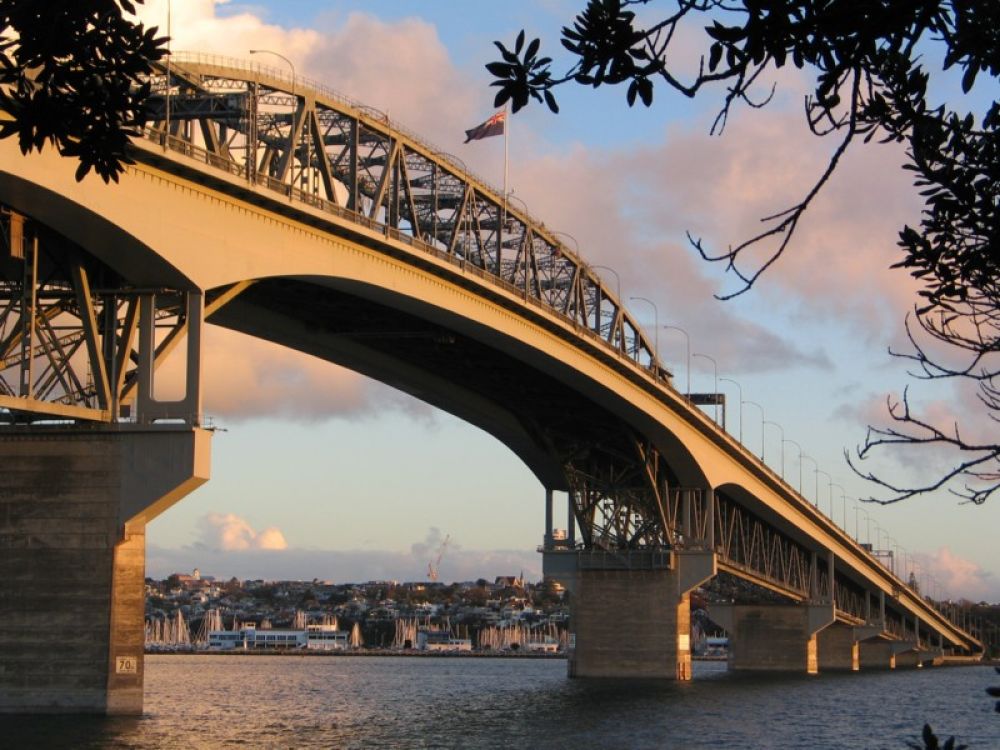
<point x="434" y="566"/>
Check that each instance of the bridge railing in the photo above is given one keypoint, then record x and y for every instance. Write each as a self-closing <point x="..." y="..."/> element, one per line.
<point x="302" y="82"/>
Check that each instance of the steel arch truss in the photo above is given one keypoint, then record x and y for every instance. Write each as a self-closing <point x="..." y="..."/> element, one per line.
<point x="749" y="545"/>
<point x="322" y="149"/>
<point x="77" y="342"/>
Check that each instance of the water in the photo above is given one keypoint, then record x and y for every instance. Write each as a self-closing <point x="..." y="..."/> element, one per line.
<point x="272" y="702"/>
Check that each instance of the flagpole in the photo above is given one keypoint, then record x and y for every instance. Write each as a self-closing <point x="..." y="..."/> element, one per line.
<point x="503" y="219"/>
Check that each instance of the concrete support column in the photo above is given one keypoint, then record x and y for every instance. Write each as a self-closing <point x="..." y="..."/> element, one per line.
<point x="654" y="640"/>
<point x="548" y="519"/>
<point x="837" y="649"/>
<point x="570" y="520"/>
<point x="876" y="654"/>
<point x="773" y="638"/>
<point x="74" y="504"/>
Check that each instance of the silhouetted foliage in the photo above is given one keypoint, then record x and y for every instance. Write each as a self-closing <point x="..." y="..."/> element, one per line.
<point x="70" y="76"/>
<point x="931" y="742"/>
<point x="871" y="84"/>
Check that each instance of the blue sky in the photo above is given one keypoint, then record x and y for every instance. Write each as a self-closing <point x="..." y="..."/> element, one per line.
<point x="323" y="474"/>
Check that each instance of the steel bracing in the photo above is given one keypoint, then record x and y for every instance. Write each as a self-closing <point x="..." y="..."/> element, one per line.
<point x="78" y="341"/>
<point x="328" y="151"/>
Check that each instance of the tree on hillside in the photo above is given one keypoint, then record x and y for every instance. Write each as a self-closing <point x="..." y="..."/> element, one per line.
<point x="871" y="84"/>
<point x="71" y="76"/>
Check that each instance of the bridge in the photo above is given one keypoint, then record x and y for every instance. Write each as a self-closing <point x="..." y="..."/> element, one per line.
<point x="278" y="208"/>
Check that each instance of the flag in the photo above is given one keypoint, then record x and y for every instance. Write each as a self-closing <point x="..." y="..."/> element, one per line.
<point x="493" y="126"/>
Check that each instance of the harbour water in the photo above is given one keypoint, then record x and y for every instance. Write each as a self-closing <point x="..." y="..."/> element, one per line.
<point x="208" y="702"/>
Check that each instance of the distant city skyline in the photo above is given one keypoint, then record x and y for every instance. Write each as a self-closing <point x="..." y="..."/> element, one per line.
<point x="321" y="473"/>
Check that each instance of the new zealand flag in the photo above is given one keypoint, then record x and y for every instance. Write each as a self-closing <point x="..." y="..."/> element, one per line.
<point x="493" y="126"/>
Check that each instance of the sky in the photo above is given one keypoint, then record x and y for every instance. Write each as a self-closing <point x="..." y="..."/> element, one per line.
<point x="318" y="472"/>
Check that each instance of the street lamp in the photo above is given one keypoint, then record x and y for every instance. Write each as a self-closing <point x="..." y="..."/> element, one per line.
<point x="687" y="339"/>
<point x="567" y="235"/>
<point x="781" y="431"/>
<point x="618" y="280"/>
<point x="295" y="106"/>
<point x="801" y="456"/>
<point x="715" y="370"/>
<point x="829" y="480"/>
<point x="740" y="389"/>
<point x="754" y="403"/>
<point x="815" y="466"/>
<point x="868" y="526"/>
<point x="843" y="506"/>
<point x="656" y="324"/>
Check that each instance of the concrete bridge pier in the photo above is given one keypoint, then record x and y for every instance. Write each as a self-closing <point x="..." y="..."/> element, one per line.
<point x="878" y="653"/>
<point x="838" y="647"/>
<point x="631" y="610"/>
<point x="74" y="503"/>
<point x="777" y="638"/>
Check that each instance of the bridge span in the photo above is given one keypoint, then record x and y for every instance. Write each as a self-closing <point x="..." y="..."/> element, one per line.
<point x="288" y="212"/>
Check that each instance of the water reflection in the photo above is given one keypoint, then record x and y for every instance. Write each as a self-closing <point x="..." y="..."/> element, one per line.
<point x="353" y="702"/>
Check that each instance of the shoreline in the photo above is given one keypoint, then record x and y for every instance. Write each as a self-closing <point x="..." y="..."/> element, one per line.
<point x="375" y="652"/>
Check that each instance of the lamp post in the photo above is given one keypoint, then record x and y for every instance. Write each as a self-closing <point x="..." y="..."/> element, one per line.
<point x="815" y="466"/>
<point x="868" y="526"/>
<point x="715" y="370"/>
<point x="754" y="403"/>
<point x="843" y="506"/>
<point x="567" y="235"/>
<point x="656" y="324"/>
<point x="829" y="481"/>
<point x="295" y="107"/>
<point x="618" y="280"/>
<point x="687" y="340"/>
<point x="801" y="456"/>
<point x="781" y="431"/>
<point x="739" y="388"/>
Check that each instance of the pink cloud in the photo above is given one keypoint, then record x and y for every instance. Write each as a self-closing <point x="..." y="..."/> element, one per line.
<point x="955" y="577"/>
<point x="230" y="532"/>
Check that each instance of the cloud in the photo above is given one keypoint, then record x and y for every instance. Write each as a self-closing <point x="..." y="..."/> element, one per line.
<point x="195" y="25"/>
<point x="230" y="547"/>
<point x="229" y="532"/>
<point x="629" y="206"/>
<point x="958" y="411"/>
<point x="248" y="378"/>
<point x="954" y="577"/>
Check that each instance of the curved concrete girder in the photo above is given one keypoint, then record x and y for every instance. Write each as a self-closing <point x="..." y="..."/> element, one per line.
<point x="210" y="238"/>
<point x="449" y="396"/>
<point x="113" y="245"/>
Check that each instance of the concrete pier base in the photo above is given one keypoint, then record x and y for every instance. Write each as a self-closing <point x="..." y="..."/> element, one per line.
<point x="773" y="638"/>
<point x="877" y="654"/>
<point x="654" y="641"/>
<point x="908" y="658"/>
<point x="74" y="504"/>
<point x="837" y="649"/>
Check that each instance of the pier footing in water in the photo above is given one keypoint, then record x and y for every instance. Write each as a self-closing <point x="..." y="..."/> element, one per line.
<point x="74" y="503"/>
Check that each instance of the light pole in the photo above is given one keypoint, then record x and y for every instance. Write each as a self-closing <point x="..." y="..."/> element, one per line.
<point x="801" y="456"/>
<point x="754" y="403"/>
<point x="618" y="280"/>
<point x="291" y="122"/>
<point x="715" y="370"/>
<point x="815" y="466"/>
<point x="829" y="481"/>
<point x="740" y="390"/>
<point x="656" y="329"/>
<point x="868" y="527"/>
<point x="843" y="506"/>
<point x="576" y="245"/>
<point x="781" y="432"/>
<point x="687" y="340"/>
